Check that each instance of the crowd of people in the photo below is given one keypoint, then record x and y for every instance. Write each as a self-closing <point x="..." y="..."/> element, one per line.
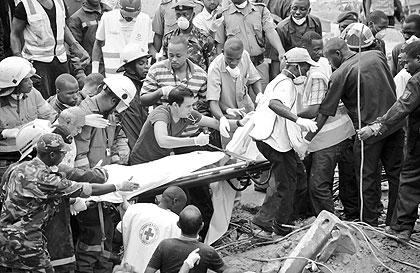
<point x="109" y="85"/>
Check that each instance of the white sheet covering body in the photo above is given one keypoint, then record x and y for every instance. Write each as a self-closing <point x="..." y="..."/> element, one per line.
<point x="156" y="173"/>
<point x="144" y="226"/>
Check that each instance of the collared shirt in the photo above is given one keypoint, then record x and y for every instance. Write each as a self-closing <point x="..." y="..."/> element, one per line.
<point x="377" y="88"/>
<point x="161" y="74"/>
<point x="207" y="22"/>
<point x="228" y="91"/>
<point x="319" y="88"/>
<point x="15" y="113"/>
<point x="58" y="105"/>
<point x="291" y="34"/>
<point x="201" y="49"/>
<point x="33" y="192"/>
<point x="249" y="24"/>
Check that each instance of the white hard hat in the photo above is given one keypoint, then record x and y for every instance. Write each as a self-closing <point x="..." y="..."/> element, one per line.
<point x="131" y="52"/>
<point x="13" y="70"/>
<point x="124" y="88"/>
<point x="29" y="135"/>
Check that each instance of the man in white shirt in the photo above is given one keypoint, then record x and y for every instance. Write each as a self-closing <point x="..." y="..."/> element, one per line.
<point x="276" y="131"/>
<point x="210" y="19"/>
<point x="118" y="28"/>
<point x="145" y="225"/>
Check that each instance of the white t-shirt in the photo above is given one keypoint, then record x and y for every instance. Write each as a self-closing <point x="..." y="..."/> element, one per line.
<point x="283" y="91"/>
<point x="144" y="226"/>
<point x="401" y="80"/>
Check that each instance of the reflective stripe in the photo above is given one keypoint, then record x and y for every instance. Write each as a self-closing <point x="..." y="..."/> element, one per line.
<point x="31" y="6"/>
<point x="94" y="248"/>
<point x="89" y="23"/>
<point x="81" y="162"/>
<point x="61" y="5"/>
<point x="111" y="70"/>
<point x="60" y="50"/>
<point x="60" y="42"/>
<point x="113" y="55"/>
<point x="63" y="261"/>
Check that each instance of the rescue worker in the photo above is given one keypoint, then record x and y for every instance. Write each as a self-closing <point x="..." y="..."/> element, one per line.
<point x="406" y="211"/>
<point x="135" y="65"/>
<point x="67" y="93"/>
<point x="20" y="103"/>
<point x="165" y="21"/>
<point x="327" y="149"/>
<point x="377" y="89"/>
<point x="358" y="31"/>
<point x="37" y="182"/>
<point x="291" y="30"/>
<point x="145" y="225"/>
<point x="253" y="24"/>
<point x="84" y="23"/>
<point x="230" y="75"/>
<point x="210" y="18"/>
<point x="201" y="48"/>
<point x="107" y="145"/>
<point x="118" y="28"/>
<point x="275" y="121"/>
<point x="38" y="34"/>
<point x="7" y="9"/>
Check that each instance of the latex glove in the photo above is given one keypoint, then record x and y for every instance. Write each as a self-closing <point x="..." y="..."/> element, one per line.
<point x="236" y="112"/>
<point x="78" y="206"/>
<point x="193" y="258"/>
<point x="10" y="133"/>
<point x="224" y="127"/>
<point x="77" y="50"/>
<point x="95" y="66"/>
<point x="258" y="97"/>
<point x="202" y="139"/>
<point x="127" y="185"/>
<point x="302" y="149"/>
<point x="307" y="124"/>
<point x="97" y="121"/>
<point x="368" y="131"/>
<point x="166" y="90"/>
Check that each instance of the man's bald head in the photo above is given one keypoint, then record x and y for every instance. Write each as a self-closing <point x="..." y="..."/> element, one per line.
<point x="335" y="44"/>
<point x="233" y="44"/>
<point x="190" y="221"/>
<point x="174" y="198"/>
<point x="336" y="51"/>
<point x="67" y="89"/>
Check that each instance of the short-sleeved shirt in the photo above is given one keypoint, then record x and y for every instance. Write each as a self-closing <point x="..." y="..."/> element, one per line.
<point x="249" y="24"/>
<point x="376" y="82"/>
<point x="146" y="148"/>
<point x="161" y="74"/>
<point x="228" y="91"/>
<point x="171" y="253"/>
<point x="201" y="49"/>
<point x="291" y="34"/>
<point x="33" y="193"/>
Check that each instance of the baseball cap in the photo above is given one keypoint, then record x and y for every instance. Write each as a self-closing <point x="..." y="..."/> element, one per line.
<point x="299" y="55"/>
<point x="347" y="17"/>
<point x="130" y="8"/>
<point x="184" y="4"/>
<point x="51" y="143"/>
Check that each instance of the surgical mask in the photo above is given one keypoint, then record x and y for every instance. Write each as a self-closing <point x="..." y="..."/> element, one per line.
<point x="297" y="80"/>
<point x="299" y="22"/>
<point x="234" y="72"/>
<point x="242" y="6"/>
<point x="183" y="23"/>
<point x="121" y="106"/>
<point x="17" y="96"/>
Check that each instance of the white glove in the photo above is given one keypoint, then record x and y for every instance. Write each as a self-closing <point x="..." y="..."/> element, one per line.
<point x="236" y="112"/>
<point x="78" y="206"/>
<point x="307" y="124"/>
<point x="166" y="90"/>
<point x="193" y="258"/>
<point x="10" y="133"/>
<point x="127" y="185"/>
<point x="97" y="121"/>
<point x="202" y="139"/>
<point x="302" y="149"/>
<point x="95" y="66"/>
<point x="258" y="97"/>
<point x="224" y="127"/>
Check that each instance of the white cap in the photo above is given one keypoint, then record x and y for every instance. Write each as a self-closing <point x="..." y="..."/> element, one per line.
<point x="299" y="55"/>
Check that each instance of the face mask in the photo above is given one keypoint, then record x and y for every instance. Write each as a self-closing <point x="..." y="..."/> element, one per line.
<point x="299" y="22"/>
<point x="17" y="96"/>
<point x="121" y="106"/>
<point x="234" y="72"/>
<point x="183" y="23"/>
<point x="242" y="6"/>
<point x="297" y="80"/>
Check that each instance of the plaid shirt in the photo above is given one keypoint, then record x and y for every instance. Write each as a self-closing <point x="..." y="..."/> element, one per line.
<point x="319" y="88"/>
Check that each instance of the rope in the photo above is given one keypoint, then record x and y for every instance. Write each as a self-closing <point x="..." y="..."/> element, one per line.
<point x="359" y="115"/>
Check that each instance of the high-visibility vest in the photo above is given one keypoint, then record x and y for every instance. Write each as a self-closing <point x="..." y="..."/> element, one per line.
<point x="40" y="43"/>
<point x="114" y="38"/>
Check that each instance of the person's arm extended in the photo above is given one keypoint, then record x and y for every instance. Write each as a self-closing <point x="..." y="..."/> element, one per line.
<point x="157" y="42"/>
<point x="256" y="89"/>
<point x="309" y="112"/>
<point x="149" y="99"/>
<point x="214" y="123"/>
<point x="320" y="121"/>
<point x="16" y="36"/>
<point x="169" y="142"/>
<point x="280" y="109"/>
<point x="68" y="36"/>
<point x="97" y="55"/>
<point x="215" y="109"/>
<point x="275" y="41"/>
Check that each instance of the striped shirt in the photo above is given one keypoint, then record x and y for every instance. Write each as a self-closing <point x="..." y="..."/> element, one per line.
<point x="161" y="74"/>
